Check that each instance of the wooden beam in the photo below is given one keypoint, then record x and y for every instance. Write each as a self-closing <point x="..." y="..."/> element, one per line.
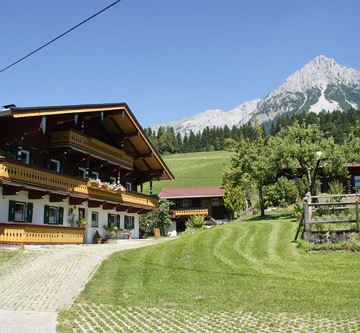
<point x="131" y="135"/>
<point x="133" y="210"/>
<point x="94" y="203"/>
<point x="121" y="208"/>
<point x="141" y="156"/>
<point x="74" y="201"/>
<point x="108" y="205"/>
<point x="10" y="190"/>
<point x="56" y="197"/>
<point x="35" y="194"/>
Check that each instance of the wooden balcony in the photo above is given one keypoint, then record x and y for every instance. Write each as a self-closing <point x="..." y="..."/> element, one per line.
<point x="47" y="180"/>
<point x="91" y="146"/>
<point x="22" y="233"/>
<point x="189" y="212"/>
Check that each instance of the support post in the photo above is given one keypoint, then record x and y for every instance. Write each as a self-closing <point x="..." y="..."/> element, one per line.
<point x="118" y="179"/>
<point x="141" y="188"/>
<point x="357" y="215"/>
<point x="87" y="172"/>
<point x="307" y="216"/>
<point x="151" y="187"/>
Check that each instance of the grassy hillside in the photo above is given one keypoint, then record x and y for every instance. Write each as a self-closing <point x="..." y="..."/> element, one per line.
<point x="194" y="169"/>
<point x="248" y="271"/>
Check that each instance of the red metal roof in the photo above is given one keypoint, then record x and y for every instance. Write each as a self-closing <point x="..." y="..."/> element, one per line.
<point x="192" y="192"/>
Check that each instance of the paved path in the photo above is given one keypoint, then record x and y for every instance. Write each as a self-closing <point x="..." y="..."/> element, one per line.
<point x="45" y="279"/>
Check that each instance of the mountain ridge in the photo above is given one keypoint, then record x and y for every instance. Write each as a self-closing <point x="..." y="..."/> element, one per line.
<point x="322" y="84"/>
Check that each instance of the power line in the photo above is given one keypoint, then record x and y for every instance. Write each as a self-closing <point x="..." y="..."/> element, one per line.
<point x="58" y="37"/>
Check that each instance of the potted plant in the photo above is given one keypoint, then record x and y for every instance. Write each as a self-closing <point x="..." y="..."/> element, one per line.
<point x="110" y="231"/>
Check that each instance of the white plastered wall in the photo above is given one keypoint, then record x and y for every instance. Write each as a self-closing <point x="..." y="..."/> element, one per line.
<point x="38" y="213"/>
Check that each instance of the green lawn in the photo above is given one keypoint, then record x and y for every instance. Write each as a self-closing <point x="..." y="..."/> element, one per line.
<point x="243" y="267"/>
<point x="189" y="170"/>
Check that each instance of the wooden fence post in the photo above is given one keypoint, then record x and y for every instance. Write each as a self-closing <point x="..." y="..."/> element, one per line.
<point x="357" y="215"/>
<point x="307" y="216"/>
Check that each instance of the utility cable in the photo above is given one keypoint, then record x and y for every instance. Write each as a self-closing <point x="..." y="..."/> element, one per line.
<point x="58" y="37"/>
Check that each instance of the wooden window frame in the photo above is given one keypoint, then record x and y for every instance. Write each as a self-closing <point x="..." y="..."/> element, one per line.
<point x="129" y="220"/>
<point x="58" y="164"/>
<point x="94" y="225"/>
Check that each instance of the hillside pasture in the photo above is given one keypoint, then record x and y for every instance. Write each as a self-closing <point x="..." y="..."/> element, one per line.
<point x="194" y="169"/>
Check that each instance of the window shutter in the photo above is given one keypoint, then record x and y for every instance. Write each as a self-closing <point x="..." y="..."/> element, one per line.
<point x="31" y="157"/>
<point x="29" y="212"/>
<point x="46" y="214"/>
<point x="12" y="210"/>
<point x="60" y="215"/>
<point x="109" y="220"/>
<point x="47" y="162"/>
<point x="118" y="221"/>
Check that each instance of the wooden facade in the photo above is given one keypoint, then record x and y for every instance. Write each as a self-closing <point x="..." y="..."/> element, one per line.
<point x="82" y="159"/>
<point x="205" y="201"/>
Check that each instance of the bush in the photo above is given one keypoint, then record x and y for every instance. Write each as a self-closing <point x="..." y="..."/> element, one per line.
<point x="195" y="221"/>
<point x="280" y="194"/>
<point x="158" y="218"/>
<point x="335" y="187"/>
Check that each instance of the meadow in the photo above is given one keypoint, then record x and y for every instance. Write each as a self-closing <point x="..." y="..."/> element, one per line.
<point x="189" y="170"/>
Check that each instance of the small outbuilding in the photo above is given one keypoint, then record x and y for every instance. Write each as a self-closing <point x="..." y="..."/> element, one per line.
<point x="188" y="201"/>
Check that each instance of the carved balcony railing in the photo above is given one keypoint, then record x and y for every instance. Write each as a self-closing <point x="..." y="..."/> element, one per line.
<point x="26" y="174"/>
<point x="189" y="212"/>
<point x="22" y="233"/>
<point x="91" y="146"/>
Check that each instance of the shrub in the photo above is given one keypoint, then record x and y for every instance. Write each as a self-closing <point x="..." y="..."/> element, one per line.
<point x="298" y="211"/>
<point x="195" y="221"/>
<point x="281" y="193"/>
<point x="158" y="218"/>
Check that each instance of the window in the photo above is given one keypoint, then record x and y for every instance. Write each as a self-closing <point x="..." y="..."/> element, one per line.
<point x="94" y="219"/>
<point x="23" y="156"/>
<point x="54" y="165"/>
<point x="112" y="180"/>
<point x="215" y="202"/>
<point x="82" y="172"/>
<point x="129" y="222"/>
<point x="112" y="220"/>
<point x="129" y="186"/>
<point x="20" y="211"/>
<point x="185" y="203"/>
<point x="95" y="175"/>
<point x="357" y="182"/>
<point x="53" y="215"/>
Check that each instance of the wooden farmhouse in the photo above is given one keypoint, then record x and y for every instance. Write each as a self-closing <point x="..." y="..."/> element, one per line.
<point x="62" y="167"/>
<point x="206" y="201"/>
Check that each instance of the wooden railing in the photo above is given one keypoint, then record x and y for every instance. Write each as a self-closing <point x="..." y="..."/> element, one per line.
<point x="27" y="174"/>
<point x="188" y="212"/>
<point x="22" y="233"/>
<point x="91" y="146"/>
<point x="323" y="211"/>
<point x="41" y="177"/>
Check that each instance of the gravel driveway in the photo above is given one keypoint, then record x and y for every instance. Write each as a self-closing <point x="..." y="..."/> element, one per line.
<point x="45" y="279"/>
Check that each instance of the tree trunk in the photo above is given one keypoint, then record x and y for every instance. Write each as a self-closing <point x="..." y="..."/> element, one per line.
<point x="261" y="201"/>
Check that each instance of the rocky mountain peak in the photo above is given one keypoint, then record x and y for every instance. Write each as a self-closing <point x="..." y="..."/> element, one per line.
<point x="322" y="84"/>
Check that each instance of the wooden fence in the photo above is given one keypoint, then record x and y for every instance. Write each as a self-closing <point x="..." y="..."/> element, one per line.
<point x="336" y="214"/>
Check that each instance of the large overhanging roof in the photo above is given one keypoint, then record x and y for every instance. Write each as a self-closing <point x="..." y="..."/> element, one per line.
<point x="120" y="123"/>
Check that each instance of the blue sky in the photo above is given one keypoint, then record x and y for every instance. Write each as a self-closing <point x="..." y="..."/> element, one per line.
<point x="168" y="59"/>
